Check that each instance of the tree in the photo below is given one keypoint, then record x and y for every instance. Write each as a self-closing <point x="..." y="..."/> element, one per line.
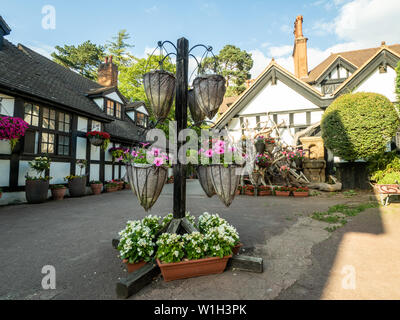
<point x="235" y="65"/>
<point x="398" y="82"/>
<point x="359" y="125"/>
<point x="84" y="59"/>
<point x="118" y="48"/>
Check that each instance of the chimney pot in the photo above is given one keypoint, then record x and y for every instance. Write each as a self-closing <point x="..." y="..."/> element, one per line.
<point x="108" y="73"/>
<point x="300" y="50"/>
<point x="383" y="43"/>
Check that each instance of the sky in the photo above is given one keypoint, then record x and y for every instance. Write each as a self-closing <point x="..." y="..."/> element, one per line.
<point x="263" y="28"/>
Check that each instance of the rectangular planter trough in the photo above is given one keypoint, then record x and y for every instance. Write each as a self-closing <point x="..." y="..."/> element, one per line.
<point x="193" y="268"/>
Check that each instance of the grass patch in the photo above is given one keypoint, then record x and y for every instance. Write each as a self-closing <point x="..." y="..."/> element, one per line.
<point x="349" y="194"/>
<point x="337" y="214"/>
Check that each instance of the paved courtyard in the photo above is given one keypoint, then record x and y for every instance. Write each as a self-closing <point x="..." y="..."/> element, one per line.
<point x="301" y="259"/>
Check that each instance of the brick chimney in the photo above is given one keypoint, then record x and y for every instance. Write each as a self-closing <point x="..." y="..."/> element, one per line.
<point x="4" y="31"/>
<point x="108" y="73"/>
<point x="300" y="50"/>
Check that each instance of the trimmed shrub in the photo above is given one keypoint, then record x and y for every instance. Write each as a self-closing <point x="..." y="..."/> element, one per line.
<point x="359" y="125"/>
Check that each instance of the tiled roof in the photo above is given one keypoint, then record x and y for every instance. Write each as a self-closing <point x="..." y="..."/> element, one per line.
<point x="123" y="129"/>
<point x="24" y="70"/>
<point x="356" y="57"/>
<point x="228" y="101"/>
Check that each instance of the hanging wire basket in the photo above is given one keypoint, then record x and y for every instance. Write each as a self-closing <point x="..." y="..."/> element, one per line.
<point x="197" y="114"/>
<point x="96" y="141"/>
<point x="209" y="91"/>
<point x="225" y="181"/>
<point x="203" y="173"/>
<point x="159" y="86"/>
<point x="147" y="181"/>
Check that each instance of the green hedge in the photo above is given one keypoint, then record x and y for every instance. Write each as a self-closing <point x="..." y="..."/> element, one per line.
<point x="359" y="125"/>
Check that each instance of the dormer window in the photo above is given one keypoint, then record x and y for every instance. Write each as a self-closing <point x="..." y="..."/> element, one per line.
<point x="114" y="109"/>
<point x="141" y="119"/>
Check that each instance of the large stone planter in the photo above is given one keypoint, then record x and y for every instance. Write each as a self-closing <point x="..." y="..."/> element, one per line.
<point x="36" y="191"/>
<point x="77" y="187"/>
<point x="147" y="181"/>
<point x="205" y="180"/>
<point x="314" y="170"/>
<point x="225" y="181"/>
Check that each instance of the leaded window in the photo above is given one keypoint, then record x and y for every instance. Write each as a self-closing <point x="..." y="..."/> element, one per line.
<point x="31" y="115"/>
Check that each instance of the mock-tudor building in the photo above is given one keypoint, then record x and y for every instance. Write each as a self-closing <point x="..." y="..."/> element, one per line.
<point x="61" y="106"/>
<point x="300" y="99"/>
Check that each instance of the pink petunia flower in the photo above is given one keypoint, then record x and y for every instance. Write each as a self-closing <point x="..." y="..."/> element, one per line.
<point x="159" y="161"/>
<point x="209" y="153"/>
<point x="219" y="150"/>
<point x="220" y="143"/>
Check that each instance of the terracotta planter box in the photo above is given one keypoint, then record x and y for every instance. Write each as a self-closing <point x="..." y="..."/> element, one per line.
<point x="193" y="268"/>
<point x="96" y="188"/>
<point x="58" y="194"/>
<point x="249" y="192"/>
<point x="300" y="194"/>
<point x="282" y="193"/>
<point x="112" y="189"/>
<point x="132" y="267"/>
<point x="264" y="192"/>
<point x="236" y="249"/>
<point x="238" y="192"/>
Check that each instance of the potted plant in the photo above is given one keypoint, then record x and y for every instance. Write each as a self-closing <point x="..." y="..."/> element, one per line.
<point x="58" y="191"/>
<point x="77" y="184"/>
<point x="209" y="221"/>
<point x="118" y="153"/>
<point x="269" y="144"/>
<point x="301" y="192"/>
<point x="283" y="191"/>
<point x="127" y="186"/>
<point x="99" y="139"/>
<point x="239" y="190"/>
<point x="263" y="160"/>
<point x="136" y="245"/>
<point x="96" y="186"/>
<point x="260" y="145"/>
<point x="249" y="190"/>
<point x="120" y="183"/>
<point x="12" y="129"/>
<point x="37" y="188"/>
<point x="192" y="255"/>
<point x="111" y="187"/>
<point x="264" y="191"/>
<point x="147" y="172"/>
<point x="284" y="170"/>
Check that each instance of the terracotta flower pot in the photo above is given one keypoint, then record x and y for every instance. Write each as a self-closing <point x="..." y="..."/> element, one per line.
<point x="236" y="248"/>
<point x="282" y="193"/>
<point x="193" y="268"/>
<point x="58" y="194"/>
<point x="36" y="191"/>
<point x="300" y="194"/>
<point x="128" y="186"/>
<point x="249" y="192"/>
<point x="77" y="187"/>
<point x="96" y="188"/>
<point x="132" y="267"/>
<point x="111" y="189"/>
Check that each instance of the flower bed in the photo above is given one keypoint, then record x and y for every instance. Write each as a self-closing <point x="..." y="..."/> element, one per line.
<point x="264" y="191"/>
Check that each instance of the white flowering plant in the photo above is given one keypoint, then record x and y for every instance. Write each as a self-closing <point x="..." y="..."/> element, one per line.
<point x="170" y="248"/>
<point x="207" y="222"/>
<point x="195" y="246"/>
<point x="136" y="242"/>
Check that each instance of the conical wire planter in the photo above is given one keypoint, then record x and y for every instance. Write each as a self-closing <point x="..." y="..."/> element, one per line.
<point x="225" y="181"/>
<point x="159" y="86"/>
<point x="197" y="114"/>
<point x="209" y="91"/>
<point x="147" y="181"/>
<point x="203" y="173"/>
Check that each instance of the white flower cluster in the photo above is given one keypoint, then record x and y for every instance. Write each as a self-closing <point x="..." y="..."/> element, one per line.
<point x="208" y="222"/>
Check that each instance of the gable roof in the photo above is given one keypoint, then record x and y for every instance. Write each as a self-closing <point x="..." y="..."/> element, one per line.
<point x="26" y="72"/>
<point x="273" y="71"/>
<point x="356" y="57"/>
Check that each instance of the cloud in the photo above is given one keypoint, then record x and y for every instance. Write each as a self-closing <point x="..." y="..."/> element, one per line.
<point x="368" y="22"/>
<point x="280" y="51"/>
<point x="151" y="10"/>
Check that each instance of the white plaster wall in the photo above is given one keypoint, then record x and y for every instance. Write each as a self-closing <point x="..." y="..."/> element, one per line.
<point x="383" y="83"/>
<point x="82" y="124"/>
<point x="99" y="102"/>
<point x="23" y="170"/>
<point x="116" y="172"/>
<point x="123" y="171"/>
<point x="131" y="115"/>
<point x="108" y="172"/>
<point x="7" y="105"/>
<point x="95" y="153"/>
<point x="300" y="118"/>
<point x="142" y="110"/>
<point x="12" y="198"/>
<point x="5" y="147"/>
<point x="94" y="172"/>
<point x="4" y="173"/>
<point x="316" y="116"/>
<point x="81" y="148"/>
<point x="277" y="97"/>
<point x="59" y="170"/>
<point x="114" y="96"/>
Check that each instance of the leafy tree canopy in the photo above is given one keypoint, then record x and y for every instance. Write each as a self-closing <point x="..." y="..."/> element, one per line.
<point x="84" y="58"/>
<point x="398" y="82"/>
<point x="235" y="65"/>
<point x="118" y="48"/>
